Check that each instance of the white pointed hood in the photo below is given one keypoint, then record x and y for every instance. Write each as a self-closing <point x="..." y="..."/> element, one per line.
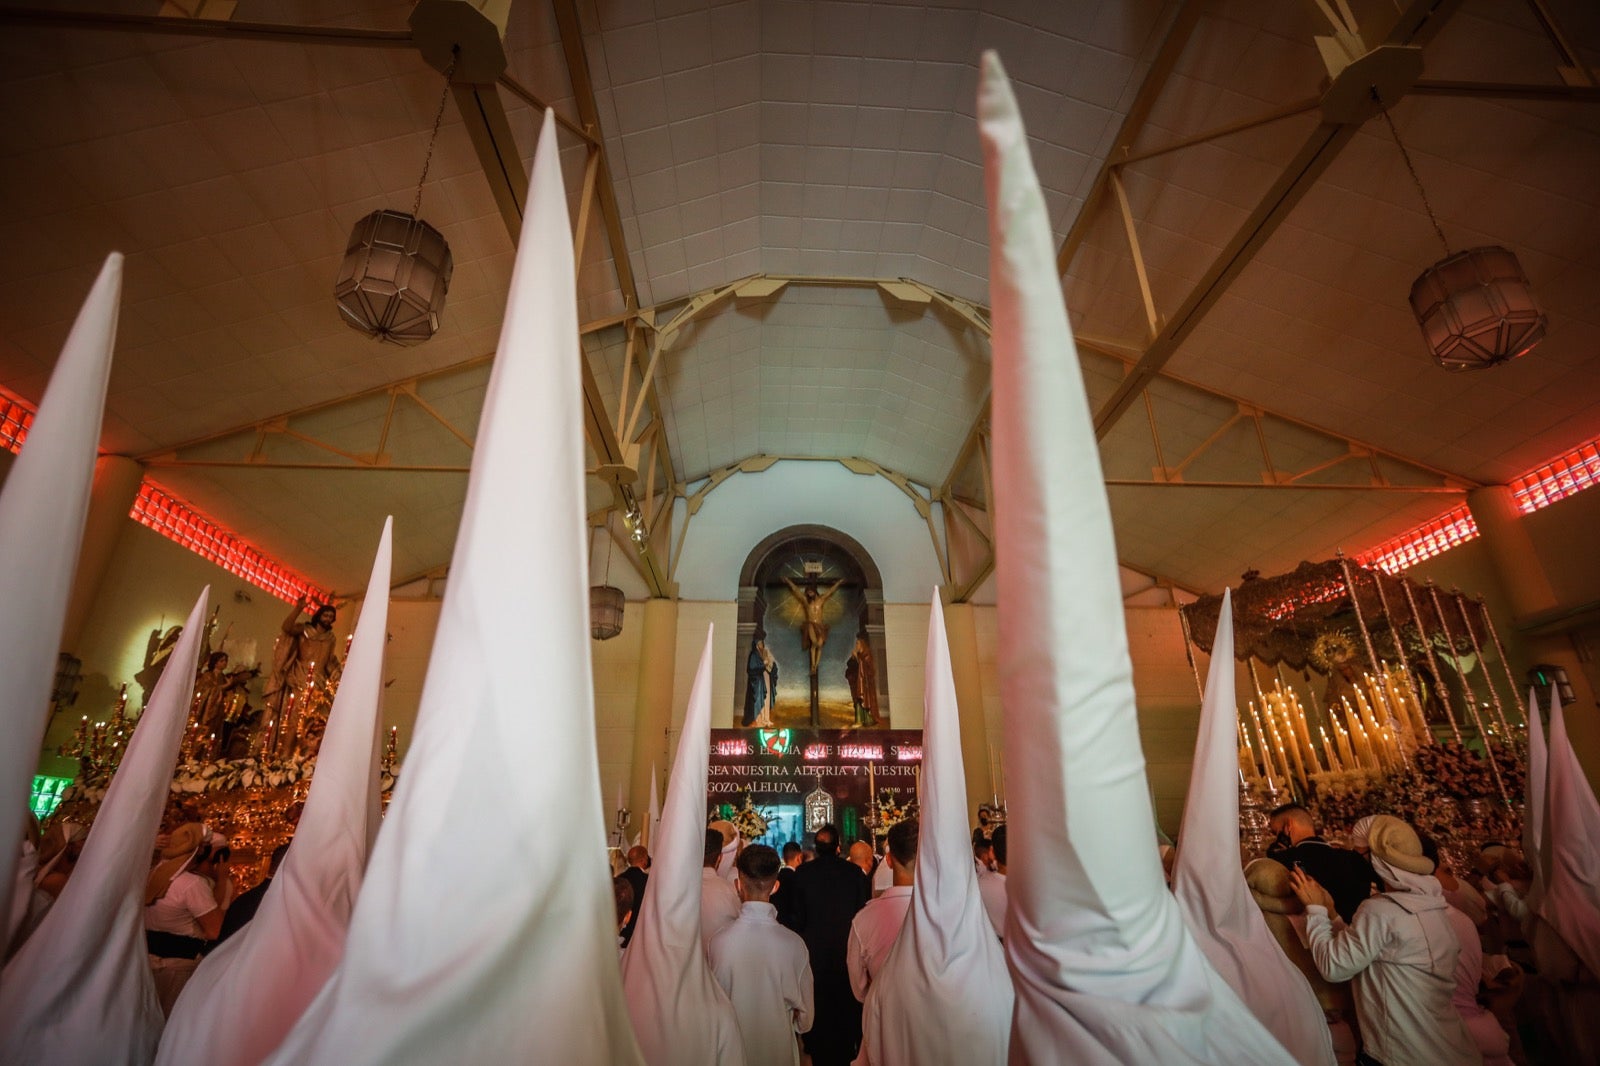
<point x="43" y="506"/>
<point x="1208" y="881"/>
<point x="79" y="991"/>
<point x="680" y="1014"/>
<point x="249" y="992"/>
<point x="484" y="932"/>
<point x="1103" y="967"/>
<point x="654" y="825"/>
<point x="1534" y="846"/>
<point x="1572" y="894"/>
<point x="944" y="994"/>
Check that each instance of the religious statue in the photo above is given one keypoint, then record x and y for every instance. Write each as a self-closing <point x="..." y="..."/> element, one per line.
<point x="862" y="675"/>
<point x="761" y="684"/>
<point x="220" y="703"/>
<point x="301" y="657"/>
<point x="813" y="628"/>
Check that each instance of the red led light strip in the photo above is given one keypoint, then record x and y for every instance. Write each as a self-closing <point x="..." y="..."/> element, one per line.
<point x="1434" y="537"/>
<point x="1561" y="477"/>
<point x="15" y="418"/>
<point x="178" y="522"/>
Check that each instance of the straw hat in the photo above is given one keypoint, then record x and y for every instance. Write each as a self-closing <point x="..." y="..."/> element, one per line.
<point x="1397" y="844"/>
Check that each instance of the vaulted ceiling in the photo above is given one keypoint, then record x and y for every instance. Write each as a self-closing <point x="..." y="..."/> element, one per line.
<point x="793" y="193"/>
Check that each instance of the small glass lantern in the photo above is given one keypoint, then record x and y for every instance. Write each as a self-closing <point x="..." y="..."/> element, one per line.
<point x="394" y="278"/>
<point x="1477" y="310"/>
<point x="605" y="611"/>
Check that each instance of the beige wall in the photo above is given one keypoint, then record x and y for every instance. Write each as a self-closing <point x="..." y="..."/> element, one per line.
<point x="151" y="583"/>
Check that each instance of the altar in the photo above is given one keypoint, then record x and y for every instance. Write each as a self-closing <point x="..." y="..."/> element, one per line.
<point x="802" y="779"/>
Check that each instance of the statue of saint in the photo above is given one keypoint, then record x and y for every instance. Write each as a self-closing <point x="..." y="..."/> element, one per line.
<point x="813" y="630"/>
<point x="761" y="684"/>
<point x="302" y="656"/>
<point x="862" y="674"/>
<point x="220" y="701"/>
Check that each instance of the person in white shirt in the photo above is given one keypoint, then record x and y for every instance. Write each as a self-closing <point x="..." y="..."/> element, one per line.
<point x="875" y="927"/>
<point x="993" y="887"/>
<point x="719" y="900"/>
<point x="1399" y="952"/>
<point x="764" y="967"/>
<point x="882" y="875"/>
<point x="186" y="896"/>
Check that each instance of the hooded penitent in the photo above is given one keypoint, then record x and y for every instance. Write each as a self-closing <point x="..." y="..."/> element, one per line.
<point x="943" y="994"/>
<point x="80" y="991"/>
<point x="1535" y="849"/>
<point x="680" y="1014"/>
<point x="1104" y="969"/>
<point x="250" y="991"/>
<point x="42" y="509"/>
<point x="1571" y="829"/>
<point x="484" y="931"/>
<point x="1209" y="884"/>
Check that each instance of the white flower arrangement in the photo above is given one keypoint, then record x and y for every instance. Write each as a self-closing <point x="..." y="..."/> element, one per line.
<point x="223" y="775"/>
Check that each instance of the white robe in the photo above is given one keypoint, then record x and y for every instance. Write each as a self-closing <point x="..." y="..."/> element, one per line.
<point x="1400" y="953"/>
<point x="1210" y="887"/>
<point x="766" y="972"/>
<point x="719" y="905"/>
<point x="1491" y="1040"/>
<point x="942" y="992"/>
<point x="1104" y="969"/>
<point x="680" y="1016"/>
<point x="873" y="932"/>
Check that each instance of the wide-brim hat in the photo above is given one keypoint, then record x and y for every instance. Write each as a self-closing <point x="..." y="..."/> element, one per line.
<point x="1397" y="844"/>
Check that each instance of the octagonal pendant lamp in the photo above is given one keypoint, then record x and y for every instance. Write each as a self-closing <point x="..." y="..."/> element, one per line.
<point x="1476" y="308"/>
<point x="396" y="269"/>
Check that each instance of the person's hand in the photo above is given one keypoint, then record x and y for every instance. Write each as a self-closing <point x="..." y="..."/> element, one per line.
<point x="1308" y="890"/>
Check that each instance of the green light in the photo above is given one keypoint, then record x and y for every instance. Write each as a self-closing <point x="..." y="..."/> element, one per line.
<point x="46" y="794"/>
<point x="775" y="741"/>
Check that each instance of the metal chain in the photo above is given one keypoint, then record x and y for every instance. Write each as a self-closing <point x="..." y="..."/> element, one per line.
<point x="438" y="118"/>
<point x="1383" y="110"/>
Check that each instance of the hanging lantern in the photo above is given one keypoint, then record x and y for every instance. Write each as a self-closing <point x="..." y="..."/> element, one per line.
<point x="605" y="611"/>
<point x="396" y="269"/>
<point x="393" y="281"/>
<point x="1477" y="310"/>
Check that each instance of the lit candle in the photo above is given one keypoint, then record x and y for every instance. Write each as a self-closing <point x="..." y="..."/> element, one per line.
<point x="1327" y="749"/>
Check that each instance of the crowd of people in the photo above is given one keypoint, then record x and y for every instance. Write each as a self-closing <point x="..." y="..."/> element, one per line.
<point x="1411" y="961"/>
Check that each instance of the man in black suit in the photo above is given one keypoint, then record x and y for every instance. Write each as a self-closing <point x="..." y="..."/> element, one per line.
<point x="636" y="875"/>
<point x="783" y="895"/>
<point x="828" y="891"/>
<point x="1346" y="874"/>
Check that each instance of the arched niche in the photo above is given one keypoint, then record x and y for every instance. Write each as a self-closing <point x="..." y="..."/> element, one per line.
<point x="812" y="557"/>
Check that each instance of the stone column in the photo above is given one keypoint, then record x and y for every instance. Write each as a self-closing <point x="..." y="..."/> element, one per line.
<point x="116" y="484"/>
<point x="1516" y="562"/>
<point x="658" y="651"/>
<point x="961" y="632"/>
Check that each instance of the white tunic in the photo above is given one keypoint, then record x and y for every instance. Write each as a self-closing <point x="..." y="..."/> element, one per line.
<point x="1492" y="1042"/>
<point x="992" y="890"/>
<point x="1400" y="952"/>
<point x="766" y="972"/>
<point x="719" y="905"/>
<point x="872" y="934"/>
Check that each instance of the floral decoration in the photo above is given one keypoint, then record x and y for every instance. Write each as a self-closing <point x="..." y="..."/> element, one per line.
<point x="749" y="821"/>
<point x="891" y="812"/>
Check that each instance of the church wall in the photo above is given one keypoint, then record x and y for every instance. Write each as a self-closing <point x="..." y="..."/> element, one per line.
<point x="151" y="583"/>
<point x="746" y="508"/>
